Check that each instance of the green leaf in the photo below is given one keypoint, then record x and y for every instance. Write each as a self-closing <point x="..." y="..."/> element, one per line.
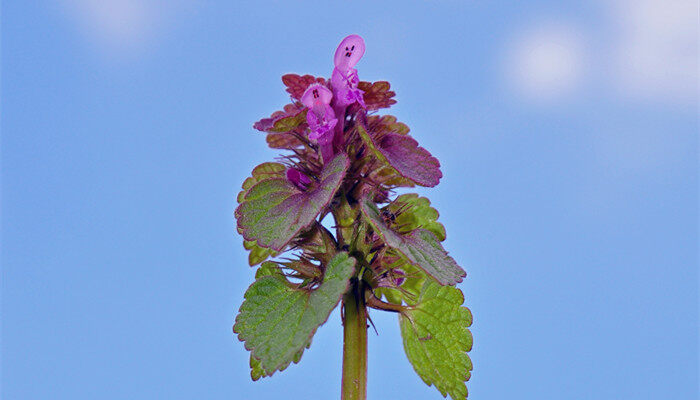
<point x="256" y="253"/>
<point x="413" y="212"/>
<point x="420" y="247"/>
<point x="278" y="319"/>
<point x="261" y="172"/>
<point x="289" y="123"/>
<point x="409" y="291"/>
<point x="256" y="368"/>
<point x="268" y="268"/>
<point x="436" y="339"/>
<point x="274" y="211"/>
<point x="293" y="116"/>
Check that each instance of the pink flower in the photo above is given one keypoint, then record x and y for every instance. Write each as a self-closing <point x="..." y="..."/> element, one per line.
<point x="320" y="117"/>
<point x="349" y="52"/>
<point x="344" y="79"/>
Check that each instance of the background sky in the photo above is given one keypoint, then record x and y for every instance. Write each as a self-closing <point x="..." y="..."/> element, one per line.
<point x="568" y="135"/>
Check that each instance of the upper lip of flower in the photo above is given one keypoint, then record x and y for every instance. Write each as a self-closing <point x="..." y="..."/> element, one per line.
<point x="349" y="52"/>
<point x="316" y="93"/>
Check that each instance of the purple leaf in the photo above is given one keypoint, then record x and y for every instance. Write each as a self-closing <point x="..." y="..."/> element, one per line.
<point x="380" y="125"/>
<point x="402" y="153"/>
<point x="285" y="140"/>
<point x="296" y="84"/>
<point x="377" y="95"/>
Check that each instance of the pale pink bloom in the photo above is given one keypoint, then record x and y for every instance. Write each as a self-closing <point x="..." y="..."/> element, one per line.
<point x="344" y="79"/>
<point x="320" y="117"/>
<point x="349" y="52"/>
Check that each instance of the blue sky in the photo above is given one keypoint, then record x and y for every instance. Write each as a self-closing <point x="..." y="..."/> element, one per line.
<point x="568" y="135"/>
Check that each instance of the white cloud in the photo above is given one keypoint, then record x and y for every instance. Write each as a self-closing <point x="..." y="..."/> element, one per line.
<point x="546" y="62"/>
<point x="125" y="26"/>
<point x="656" y="53"/>
<point x="117" y="24"/>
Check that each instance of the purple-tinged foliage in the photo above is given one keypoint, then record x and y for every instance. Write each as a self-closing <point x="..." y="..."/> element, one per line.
<point x="274" y="210"/>
<point x="420" y="247"/>
<point x="297" y="84"/>
<point x="290" y="118"/>
<point x="385" y="251"/>
<point x="402" y="153"/>
<point x="377" y="95"/>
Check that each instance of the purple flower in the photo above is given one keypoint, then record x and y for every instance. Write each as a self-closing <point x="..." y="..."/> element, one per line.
<point x="345" y="86"/>
<point x="399" y="276"/>
<point x="297" y="178"/>
<point x="392" y="279"/>
<point x="320" y="117"/>
<point x="349" y="52"/>
<point x="344" y="78"/>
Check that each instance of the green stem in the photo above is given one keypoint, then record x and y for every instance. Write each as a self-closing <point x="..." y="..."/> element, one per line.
<point x="354" y="386"/>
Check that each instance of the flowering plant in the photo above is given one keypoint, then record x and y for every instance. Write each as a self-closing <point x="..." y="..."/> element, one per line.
<point x="346" y="161"/>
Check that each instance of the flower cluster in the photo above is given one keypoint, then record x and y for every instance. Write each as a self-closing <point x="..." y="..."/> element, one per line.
<point x="345" y="160"/>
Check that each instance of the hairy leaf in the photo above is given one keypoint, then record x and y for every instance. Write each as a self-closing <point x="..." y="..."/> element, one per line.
<point x="382" y="124"/>
<point x="256" y="253"/>
<point x="263" y="171"/>
<point x="257" y="371"/>
<point x="413" y="280"/>
<point x="402" y="153"/>
<point x="274" y="211"/>
<point x="413" y="212"/>
<point x="377" y="94"/>
<point x="284" y="140"/>
<point x="278" y="319"/>
<point x="296" y="84"/>
<point x="287" y="120"/>
<point x="436" y="339"/>
<point x="420" y="247"/>
<point x="388" y="177"/>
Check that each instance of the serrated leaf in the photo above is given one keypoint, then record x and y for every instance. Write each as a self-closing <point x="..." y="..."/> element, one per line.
<point x="403" y="154"/>
<point x="268" y="268"/>
<point x="277" y="319"/>
<point x="257" y="254"/>
<point x="297" y="85"/>
<point x="261" y="172"/>
<point x="257" y="371"/>
<point x="377" y="94"/>
<point x="436" y="339"/>
<point x="284" y="140"/>
<point x="287" y="120"/>
<point x="420" y="247"/>
<point x="388" y="176"/>
<point x="274" y="211"/>
<point x="381" y="124"/>
<point x="413" y="212"/>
